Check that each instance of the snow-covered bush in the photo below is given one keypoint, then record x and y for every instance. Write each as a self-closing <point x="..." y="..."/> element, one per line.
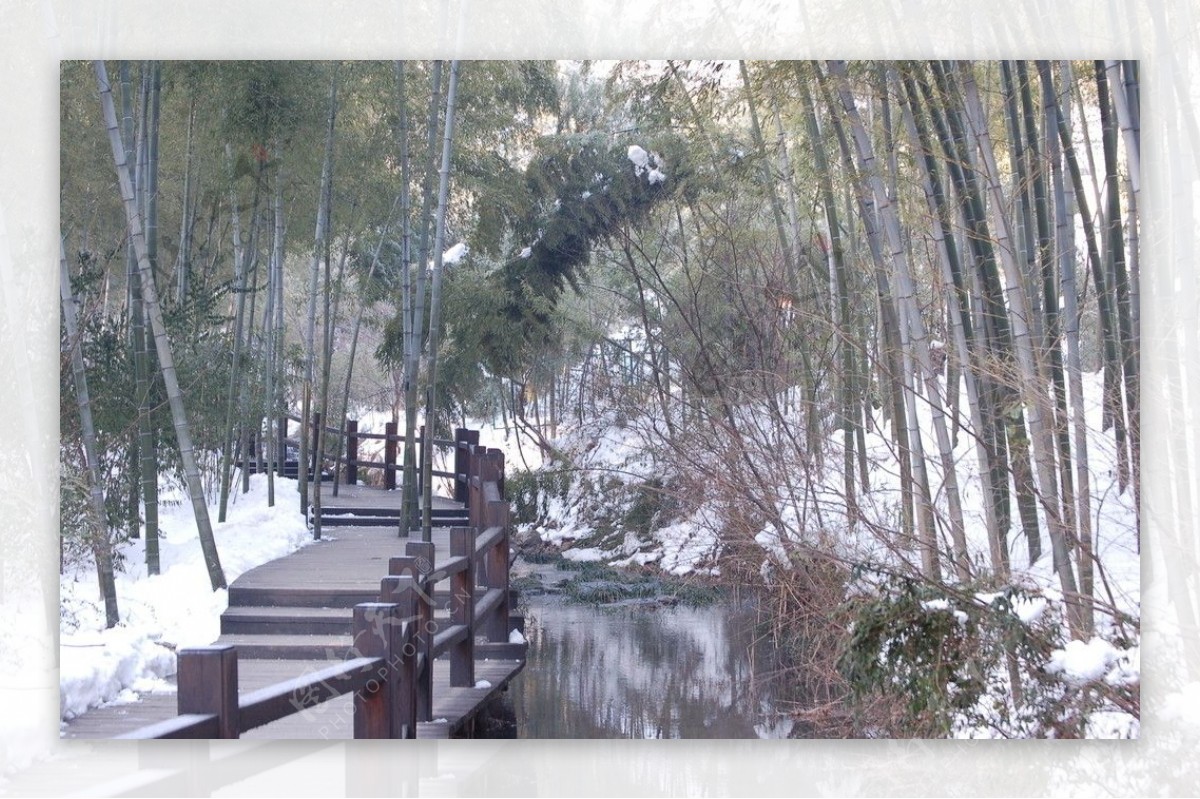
<point x="971" y="664"/>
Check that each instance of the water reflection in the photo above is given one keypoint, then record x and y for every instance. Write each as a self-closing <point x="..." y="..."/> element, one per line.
<point x="638" y="672"/>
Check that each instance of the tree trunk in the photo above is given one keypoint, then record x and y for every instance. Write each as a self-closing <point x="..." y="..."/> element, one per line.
<point x="1032" y="383"/>
<point x="322" y="233"/>
<point x="183" y="264"/>
<point x="1114" y="245"/>
<point x="960" y="321"/>
<point x="1005" y="432"/>
<point x="147" y="447"/>
<point x="912" y="329"/>
<point x="99" y="541"/>
<point x="409" y="502"/>
<point x="274" y="274"/>
<point x="233" y="404"/>
<point x="895" y="365"/>
<point x="850" y="410"/>
<point x="162" y="344"/>
<point x="435" y="310"/>
<point x="1065" y="245"/>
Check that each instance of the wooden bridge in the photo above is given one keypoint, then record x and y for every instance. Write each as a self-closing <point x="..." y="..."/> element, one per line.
<point x="365" y="633"/>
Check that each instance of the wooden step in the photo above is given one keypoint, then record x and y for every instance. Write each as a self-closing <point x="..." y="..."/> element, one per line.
<point x="437" y="513"/>
<point x="288" y="647"/>
<point x="302" y="621"/>
<point x="351" y="516"/>
<point x="391" y="522"/>
<point x="324" y="597"/>
<point x="287" y="620"/>
<point x="302" y="601"/>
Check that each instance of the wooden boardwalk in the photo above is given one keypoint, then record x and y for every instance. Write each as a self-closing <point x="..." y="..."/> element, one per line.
<point x="294" y="616"/>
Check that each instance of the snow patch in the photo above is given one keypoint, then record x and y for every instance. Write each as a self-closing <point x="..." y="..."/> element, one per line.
<point x="1081" y="662"/>
<point x="455" y="254"/>
<point x="647" y="164"/>
<point x="584" y="555"/>
<point x="164" y="612"/>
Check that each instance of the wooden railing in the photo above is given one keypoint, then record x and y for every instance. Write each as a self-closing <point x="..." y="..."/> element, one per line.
<point x="396" y="640"/>
<point x="393" y="440"/>
<point x="381" y="676"/>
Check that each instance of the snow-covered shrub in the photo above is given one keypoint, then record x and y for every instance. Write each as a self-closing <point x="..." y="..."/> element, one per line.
<point x="970" y="664"/>
<point x="913" y="642"/>
<point x="530" y="494"/>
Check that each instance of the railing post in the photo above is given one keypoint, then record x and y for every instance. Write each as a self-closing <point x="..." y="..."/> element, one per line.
<point x="475" y="487"/>
<point x="208" y="683"/>
<point x="497" y="571"/>
<point x="461" y="460"/>
<point x="405" y="593"/>
<point x="313" y="472"/>
<point x="465" y="442"/>
<point x="476" y="507"/>
<point x="417" y="563"/>
<point x="462" y="607"/>
<point x="379" y="632"/>
<point x="352" y="452"/>
<point x="389" y="456"/>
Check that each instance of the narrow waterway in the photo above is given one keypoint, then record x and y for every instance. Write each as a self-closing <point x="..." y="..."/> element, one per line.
<point x="644" y="670"/>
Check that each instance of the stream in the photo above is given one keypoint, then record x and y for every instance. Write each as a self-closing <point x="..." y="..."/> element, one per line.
<point x="641" y="668"/>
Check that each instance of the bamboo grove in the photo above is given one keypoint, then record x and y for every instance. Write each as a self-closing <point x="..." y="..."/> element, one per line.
<point x="931" y="251"/>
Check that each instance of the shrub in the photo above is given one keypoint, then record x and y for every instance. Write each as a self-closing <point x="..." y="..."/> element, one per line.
<point x="530" y="493"/>
<point x="948" y="659"/>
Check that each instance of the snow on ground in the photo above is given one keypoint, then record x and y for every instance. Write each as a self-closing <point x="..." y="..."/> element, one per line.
<point x="176" y="608"/>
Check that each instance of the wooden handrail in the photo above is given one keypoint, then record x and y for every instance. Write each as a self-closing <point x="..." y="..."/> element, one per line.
<point x="444" y="639"/>
<point x="188" y="725"/>
<point x="488" y="539"/>
<point x="490" y="601"/>
<point x="285" y="698"/>
<point x="380" y="678"/>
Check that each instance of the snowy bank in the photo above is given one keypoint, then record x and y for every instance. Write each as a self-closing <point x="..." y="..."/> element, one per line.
<point x="176" y="608"/>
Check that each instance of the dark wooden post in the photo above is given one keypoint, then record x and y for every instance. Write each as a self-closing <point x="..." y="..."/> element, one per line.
<point x="389" y="456"/>
<point x="465" y="442"/>
<point x="352" y="452"/>
<point x="475" y="487"/>
<point x="404" y="592"/>
<point x="422" y="556"/>
<point x="208" y="683"/>
<point x="497" y="571"/>
<point x="379" y="633"/>
<point x="461" y="460"/>
<point x="462" y="607"/>
<point x="477" y="507"/>
<point x="313" y="473"/>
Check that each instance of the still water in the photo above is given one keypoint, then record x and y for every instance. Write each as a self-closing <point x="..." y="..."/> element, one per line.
<point x="644" y="671"/>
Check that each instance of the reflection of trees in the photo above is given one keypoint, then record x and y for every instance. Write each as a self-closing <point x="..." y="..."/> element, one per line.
<point x="637" y="673"/>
